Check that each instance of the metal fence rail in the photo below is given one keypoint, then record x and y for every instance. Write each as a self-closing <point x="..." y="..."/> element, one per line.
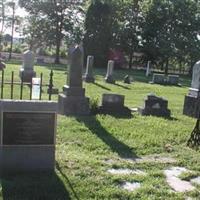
<point x="22" y="83"/>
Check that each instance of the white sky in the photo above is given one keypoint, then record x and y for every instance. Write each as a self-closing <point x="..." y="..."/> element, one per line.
<point x="20" y="12"/>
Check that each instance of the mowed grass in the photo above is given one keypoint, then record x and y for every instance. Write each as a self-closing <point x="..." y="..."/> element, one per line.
<point x="88" y="146"/>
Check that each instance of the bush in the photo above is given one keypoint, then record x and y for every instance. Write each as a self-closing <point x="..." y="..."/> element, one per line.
<point x="94" y="105"/>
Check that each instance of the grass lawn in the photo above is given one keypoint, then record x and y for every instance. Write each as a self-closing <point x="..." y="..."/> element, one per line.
<point x="88" y="146"/>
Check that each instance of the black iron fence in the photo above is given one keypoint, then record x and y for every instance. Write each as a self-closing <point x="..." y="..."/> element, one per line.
<point x="22" y="84"/>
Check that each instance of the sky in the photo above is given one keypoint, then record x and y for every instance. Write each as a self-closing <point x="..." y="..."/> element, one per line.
<point x="20" y="12"/>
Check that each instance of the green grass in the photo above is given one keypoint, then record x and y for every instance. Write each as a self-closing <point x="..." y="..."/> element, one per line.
<point x="86" y="144"/>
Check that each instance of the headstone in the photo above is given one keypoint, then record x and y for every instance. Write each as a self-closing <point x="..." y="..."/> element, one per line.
<point x="148" y="70"/>
<point x="173" y="79"/>
<point x="35" y="93"/>
<point x="156" y="106"/>
<point x="192" y="100"/>
<point x="114" y="104"/>
<point x="159" y="79"/>
<point x="88" y="77"/>
<point x="27" y="70"/>
<point x="127" y="79"/>
<point x="73" y="100"/>
<point x="27" y="136"/>
<point x="109" y="75"/>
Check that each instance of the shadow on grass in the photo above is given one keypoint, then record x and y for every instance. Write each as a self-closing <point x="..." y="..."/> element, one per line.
<point x="123" y="150"/>
<point x="40" y="186"/>
<point x="122" y="86"/>
<point x="101" y="86"/>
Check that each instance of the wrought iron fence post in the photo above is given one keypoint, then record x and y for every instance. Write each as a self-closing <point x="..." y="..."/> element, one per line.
<point x="50" y="84"/>
<point x="2" y="83"/>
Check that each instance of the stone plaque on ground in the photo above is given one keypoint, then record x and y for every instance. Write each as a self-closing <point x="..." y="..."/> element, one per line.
<point x="156" y="106"/>
<point x="192" y="100"/>
<point x="27" y="136"/>
<point x="114" y="104"/>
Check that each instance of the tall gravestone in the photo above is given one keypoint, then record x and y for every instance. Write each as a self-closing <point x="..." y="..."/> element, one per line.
<point x="73" y="101"/>
<point x="109" y="75"/>
<point x="192" y="100"/>
<point x="148" y="70"/>
<point x="88" y="76"/>
<point x="27" y="70"/>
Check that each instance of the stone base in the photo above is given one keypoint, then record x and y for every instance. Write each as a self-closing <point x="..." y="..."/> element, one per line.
<point x="112" y="110"/>
<point x="88" y="79"/>
<point x="22" y="159"/>
<point x="191" y="106"/>
<point x="73" y="105"/>
<point x="109" y="79"/>
<point x="155" y="112"/>
<point x="53" y="91"/>
<point x="27" y="75"/>
<point x="73" y="91"/>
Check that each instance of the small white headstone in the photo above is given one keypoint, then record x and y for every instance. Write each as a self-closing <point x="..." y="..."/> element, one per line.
<point x="148" y="70"/>
<point x="196" y="76"/>
<point x="36" y="88"/>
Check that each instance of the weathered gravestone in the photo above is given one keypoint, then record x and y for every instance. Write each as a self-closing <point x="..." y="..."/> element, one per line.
<point x="88" y="77"/>
<point x="27" y="136"/>
<point x="156" y="106"/>
<point x="148" y="69"/>
<point x="114" y="104"/>
<point x="159" y="79"/>
<point x="73" y="100"/>
<point x="2" y="65"/>
<point x="27" y="72"/>
<point x="192" y="100"/>
<point x="173" y="80"/>
<point x="109" y="75"/>
<point x="127" y="79"/>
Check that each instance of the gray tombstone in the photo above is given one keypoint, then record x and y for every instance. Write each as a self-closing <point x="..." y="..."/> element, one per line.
<point x="173" y="79"/>
<point x="88" y="77"/>
<point x="27" y="70"/>
<point x="27" y="139"/>
<point x="159" y="79"/>
<point x="192" y="100"/>
<point x="148" y="70"/>
<point x="109" y="75"/>
<point x="114" y="104"/>
<point x="156" y="106"/>
<point x="73" y="100"/>
<point x="127" y="79"/>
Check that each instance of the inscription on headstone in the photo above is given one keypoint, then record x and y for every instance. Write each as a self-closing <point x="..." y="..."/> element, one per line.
<point x="28" y="128"/>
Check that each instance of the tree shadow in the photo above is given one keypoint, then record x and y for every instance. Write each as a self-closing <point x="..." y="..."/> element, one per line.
<point x="38" y="186"/>
<point x="101" y="86"/>
<point x="123" y="150"/>
<point x="122" y="86"/>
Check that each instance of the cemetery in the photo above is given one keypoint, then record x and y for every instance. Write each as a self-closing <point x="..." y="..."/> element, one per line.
<point x="99" y="100"/>
<point x="99" y="156"/>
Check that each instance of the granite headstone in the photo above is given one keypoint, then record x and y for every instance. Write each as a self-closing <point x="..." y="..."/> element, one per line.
<point x="88" y="76"/>
<point x="73" y="101"/>
<point x="27" y="70"/>
<point x="156" y="106"/>
<point x="109" y="75"/>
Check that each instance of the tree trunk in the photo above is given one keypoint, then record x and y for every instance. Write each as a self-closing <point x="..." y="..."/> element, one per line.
<point x="130" y="60"/>
<point x="57" y="59"/>
<point x="13" y="24"/>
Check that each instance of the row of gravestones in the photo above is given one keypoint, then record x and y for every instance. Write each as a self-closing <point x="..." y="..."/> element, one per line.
<point x="27" y="136"/>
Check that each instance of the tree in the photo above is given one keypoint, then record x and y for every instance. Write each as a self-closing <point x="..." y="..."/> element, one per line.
<point x="170" y="30"/>
<point x="98" y="31"/>
<point x="58" y="15"/>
